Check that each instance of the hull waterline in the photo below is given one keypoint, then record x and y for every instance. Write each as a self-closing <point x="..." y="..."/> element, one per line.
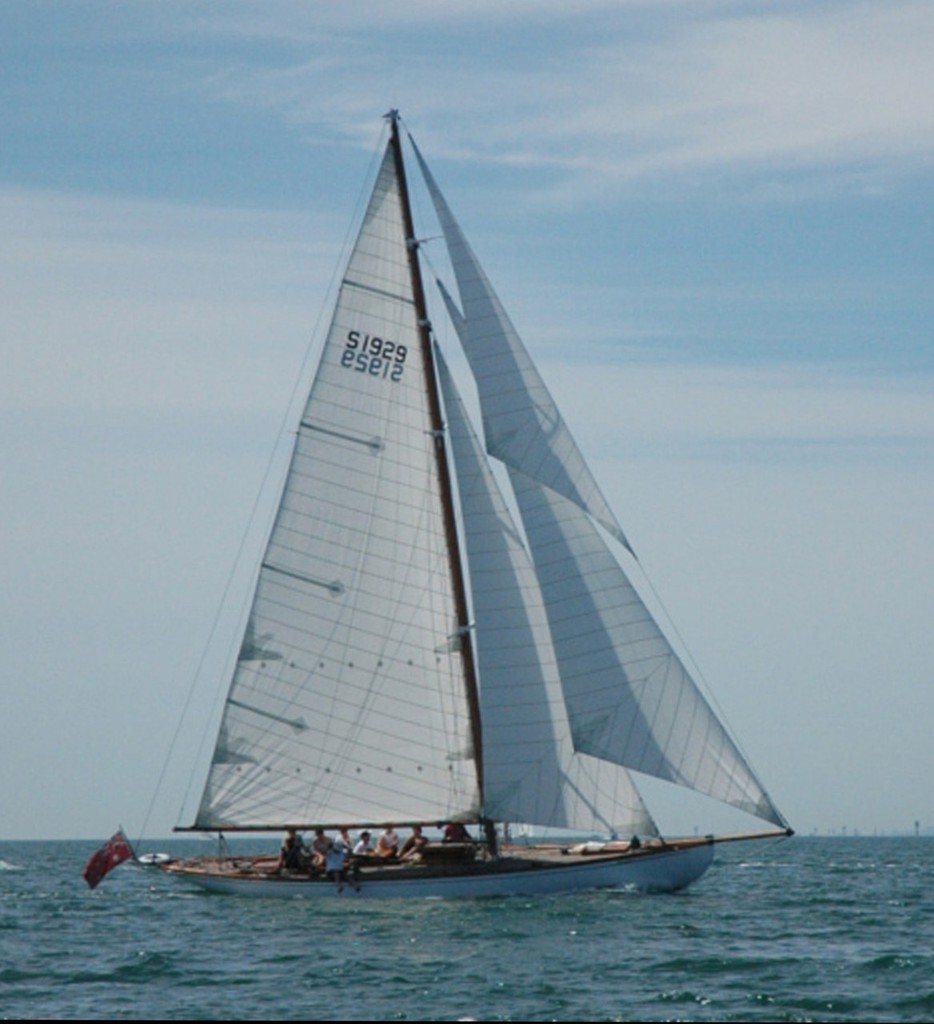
<point x="663" y="870"/>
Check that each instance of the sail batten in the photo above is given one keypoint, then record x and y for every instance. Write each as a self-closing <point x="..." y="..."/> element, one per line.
<point x="374" y="290"/>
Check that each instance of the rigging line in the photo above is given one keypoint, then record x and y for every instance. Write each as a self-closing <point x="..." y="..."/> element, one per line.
<point x="592" y="768"/>
<point x="286" y="419"/>
<point x="694" y="668"/>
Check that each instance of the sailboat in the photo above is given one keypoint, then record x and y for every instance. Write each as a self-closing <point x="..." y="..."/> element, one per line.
<point x="442" y="630"/>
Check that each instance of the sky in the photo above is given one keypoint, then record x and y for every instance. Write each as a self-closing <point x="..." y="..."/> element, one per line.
<point x="711" y="223"/>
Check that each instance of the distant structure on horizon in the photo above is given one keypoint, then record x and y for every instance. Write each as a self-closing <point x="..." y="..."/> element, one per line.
<point x="916" y="829"/>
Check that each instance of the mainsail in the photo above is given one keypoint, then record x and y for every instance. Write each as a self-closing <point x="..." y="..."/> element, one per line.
<point x="353" y="708"/>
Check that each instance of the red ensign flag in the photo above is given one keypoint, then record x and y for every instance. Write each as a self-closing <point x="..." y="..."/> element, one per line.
<point x="115" y="851"/>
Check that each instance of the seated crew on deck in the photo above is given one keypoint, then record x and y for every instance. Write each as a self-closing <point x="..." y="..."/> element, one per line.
<point x="364" y="847"/>
<point x="292" y="853"/>
<point x="456" y="832"/>
<point x="320" y="846"/>
<point x="387" y="846"/>
<point x="413" y="846"/>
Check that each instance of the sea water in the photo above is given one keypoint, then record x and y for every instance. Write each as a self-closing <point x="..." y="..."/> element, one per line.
<point x="811" y="929"/>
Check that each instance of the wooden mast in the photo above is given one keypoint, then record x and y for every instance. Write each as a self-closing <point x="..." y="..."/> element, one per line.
<point x="447" y="499"/>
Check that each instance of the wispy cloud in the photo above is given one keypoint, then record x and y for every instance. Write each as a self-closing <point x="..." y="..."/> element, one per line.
<point x="683" y="412"/>
<point x="629" y="91"/>
<point x="810" y="87"/>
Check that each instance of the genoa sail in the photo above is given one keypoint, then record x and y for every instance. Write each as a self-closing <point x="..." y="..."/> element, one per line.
<point x="630" y="698"/>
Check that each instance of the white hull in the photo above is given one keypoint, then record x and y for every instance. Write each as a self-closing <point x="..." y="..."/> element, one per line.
<point x="663" y="870"/>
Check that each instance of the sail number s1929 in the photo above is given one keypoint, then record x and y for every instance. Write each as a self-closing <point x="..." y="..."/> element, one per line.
<point x="378" y="357"/>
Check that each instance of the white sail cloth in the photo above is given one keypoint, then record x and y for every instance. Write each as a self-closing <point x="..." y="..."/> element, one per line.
<point x="531" y="771"/>
<point x="522" y="426"/>
<point x="629" y="697"/>
<point x="353" y="706"/>
<point x="630" y="700"/>
<point x="350" y="700"/>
